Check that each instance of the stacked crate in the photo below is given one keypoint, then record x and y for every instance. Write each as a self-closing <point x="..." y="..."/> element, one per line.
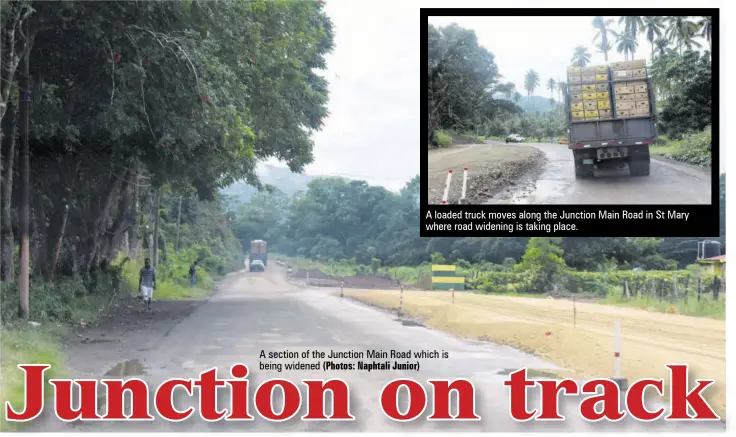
<point x="590" y="96"/>
<point x="631" y="95"/>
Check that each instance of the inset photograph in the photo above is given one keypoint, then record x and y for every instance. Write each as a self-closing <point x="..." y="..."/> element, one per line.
<point x="604" y="110"/>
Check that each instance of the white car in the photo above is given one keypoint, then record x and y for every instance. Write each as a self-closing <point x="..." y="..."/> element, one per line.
<point x="514" y="138"/>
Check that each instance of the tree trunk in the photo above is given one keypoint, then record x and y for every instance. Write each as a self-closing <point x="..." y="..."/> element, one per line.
<point x="25" y="173"/>
<point x="133" y="241"/>
<point x="155" y="227"/>
<point x="100" y="223"/>
<point x="10" y="128"/>
<point x="121" y="225"/>
<point x="178" y="223"/>
<point x="59" y="239"/>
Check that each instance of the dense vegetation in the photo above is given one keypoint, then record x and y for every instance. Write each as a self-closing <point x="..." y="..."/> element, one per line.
<point x="337" y="220"/>
<point x="136" y="107"/>
<point x="682" y="76"/>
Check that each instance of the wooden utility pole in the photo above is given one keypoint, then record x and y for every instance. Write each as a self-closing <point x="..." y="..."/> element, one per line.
<point x="155" y="227"/>
<point x="178" y="222"/>
<point x="25" y="170"/>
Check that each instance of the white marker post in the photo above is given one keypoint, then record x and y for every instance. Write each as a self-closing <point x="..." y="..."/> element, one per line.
<point x="617" y="378"/>
<point x="465" y="185"/>
<point x="342" y="286"/>
<point x="401" y="298"/>
<point x="447" y="188"/>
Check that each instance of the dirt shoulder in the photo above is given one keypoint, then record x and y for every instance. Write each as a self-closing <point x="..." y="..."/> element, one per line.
<point x="492" y="169"/>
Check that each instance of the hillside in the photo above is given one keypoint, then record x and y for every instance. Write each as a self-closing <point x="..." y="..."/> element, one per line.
<point x="531" y="104"/>
<point x="280" y="177"/>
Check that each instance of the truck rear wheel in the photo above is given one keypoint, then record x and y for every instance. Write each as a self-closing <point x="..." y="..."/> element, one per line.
<point x="639" y="168"/>
<point x="582" y="171"/>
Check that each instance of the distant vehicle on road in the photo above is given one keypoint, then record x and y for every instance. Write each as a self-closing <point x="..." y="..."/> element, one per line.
<point x="514" y="138"/>
<point x="258" y="251"/>
<point x="257" y="266"/>
<point x="610" y="114"/>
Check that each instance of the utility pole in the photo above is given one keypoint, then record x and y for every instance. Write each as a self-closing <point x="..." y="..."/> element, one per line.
<point x="25" y="170"/>
<point x="178" y="222"/>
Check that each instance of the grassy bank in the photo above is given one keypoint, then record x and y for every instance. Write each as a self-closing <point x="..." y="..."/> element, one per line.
<point x="692" y="149"/>
<point x="56" y="306"/>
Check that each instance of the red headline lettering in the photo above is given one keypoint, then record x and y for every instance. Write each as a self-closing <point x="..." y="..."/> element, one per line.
<point x="603" y="404"/>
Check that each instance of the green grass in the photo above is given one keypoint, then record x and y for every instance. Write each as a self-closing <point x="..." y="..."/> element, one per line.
<point x="693" y="148"/>
<point x="706" y="307"/>
<point x="22" y="344"/>
<point x="443" y="139"/>
<point x="172" y="280"/>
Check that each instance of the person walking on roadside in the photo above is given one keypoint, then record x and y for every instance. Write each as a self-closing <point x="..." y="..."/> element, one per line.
<point x="147" y="282"/>
<point x="193" y="274"/>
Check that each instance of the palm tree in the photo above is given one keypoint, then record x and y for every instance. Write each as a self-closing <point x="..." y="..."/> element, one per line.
<point x="653" y="28"/>
<point x="581" y="57"/>
<point x="531" y="82"/>
<point x="551" y="87"/>
<point x="627" y="44"/>
<point x="662" y="46"/>
<point x="605" y="49"/>
<point x="561" y="86"/>
<point x="705" y="25"/>
<point x="633" y="24"/>
<point x="681" y="31"/>
<point x="602" y="26"/>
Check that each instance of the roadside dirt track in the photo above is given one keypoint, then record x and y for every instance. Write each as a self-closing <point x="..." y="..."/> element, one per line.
<point x="649" y="340"/>
<point x="553" y="181"/>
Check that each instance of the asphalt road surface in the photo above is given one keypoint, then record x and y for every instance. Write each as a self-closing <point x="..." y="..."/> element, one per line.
<point x="259" y="311"/>
<point x="669" y="182"/>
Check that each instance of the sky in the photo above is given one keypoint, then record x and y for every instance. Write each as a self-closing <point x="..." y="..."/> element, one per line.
<point x="516" y="44"/>
<point x="373" y="130"/>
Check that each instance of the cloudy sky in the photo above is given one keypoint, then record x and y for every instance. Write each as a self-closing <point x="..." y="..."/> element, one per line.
<point x="373" y="130"/>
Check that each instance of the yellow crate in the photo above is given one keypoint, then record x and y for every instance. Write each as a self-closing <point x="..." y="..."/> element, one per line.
<point x="640" y="96"/>
<point x="601" y="68"/>
<point x="622" y="114"/>
<point x="604" y="104"/>
<point x="591" y="113"/>
<point x="600" y="87"/>
<point x="576" y="97"/>
<point x="605" y="95"/>
<point x="625" y="106"/>
<point x="621" y="74"/>
<point x="639" y="72"/>
<point x="640" y="88"/>
<point x="588" y="78"/>
<point x="590" y="105"/>
<point x="588" y="70"/>
<point x="576" y="107"/>
<point x="642" y="104"/>
<point x="573" y="69"/>
<point x="592" y="118"/>
<point x="587" y="88"/>
<point x="601" y="77"/>
<point x="623" y="89"/>
<point x="578" y="115"/>
<point x="576" y="89"/>
<point x="574" y="79"/>
<point x="589" y="96"/>
<point x="604" y="113"/>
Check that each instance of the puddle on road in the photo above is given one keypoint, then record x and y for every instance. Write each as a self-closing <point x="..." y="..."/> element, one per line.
<point x="127" y="368"/>
<point x="531" y="373"/>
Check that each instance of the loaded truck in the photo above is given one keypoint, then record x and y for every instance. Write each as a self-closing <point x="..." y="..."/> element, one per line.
<point x="258" y="251"/>
<point x="610" y="117"/>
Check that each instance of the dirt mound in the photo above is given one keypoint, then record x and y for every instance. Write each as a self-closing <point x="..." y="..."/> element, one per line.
<point x="318" y="278"/>
<point x="501" y="179"/>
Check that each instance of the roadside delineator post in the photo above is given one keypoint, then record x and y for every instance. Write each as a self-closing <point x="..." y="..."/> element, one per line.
<point x="574" y="313"/>
<point x="446" y="194"/>
<point x="342" y="286"/>
<point x="465" y="186"/>
<point x="307" y="281"/>
<point x="453" y="294"/>
<point x="401" y="298"/>
<point x="622" y="382"/>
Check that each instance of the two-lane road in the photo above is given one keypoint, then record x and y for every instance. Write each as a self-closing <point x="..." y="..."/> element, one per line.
<point x="262" y="312"/>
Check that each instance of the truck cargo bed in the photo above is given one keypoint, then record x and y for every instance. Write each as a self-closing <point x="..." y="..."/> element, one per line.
<point x="600" y="133"/>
